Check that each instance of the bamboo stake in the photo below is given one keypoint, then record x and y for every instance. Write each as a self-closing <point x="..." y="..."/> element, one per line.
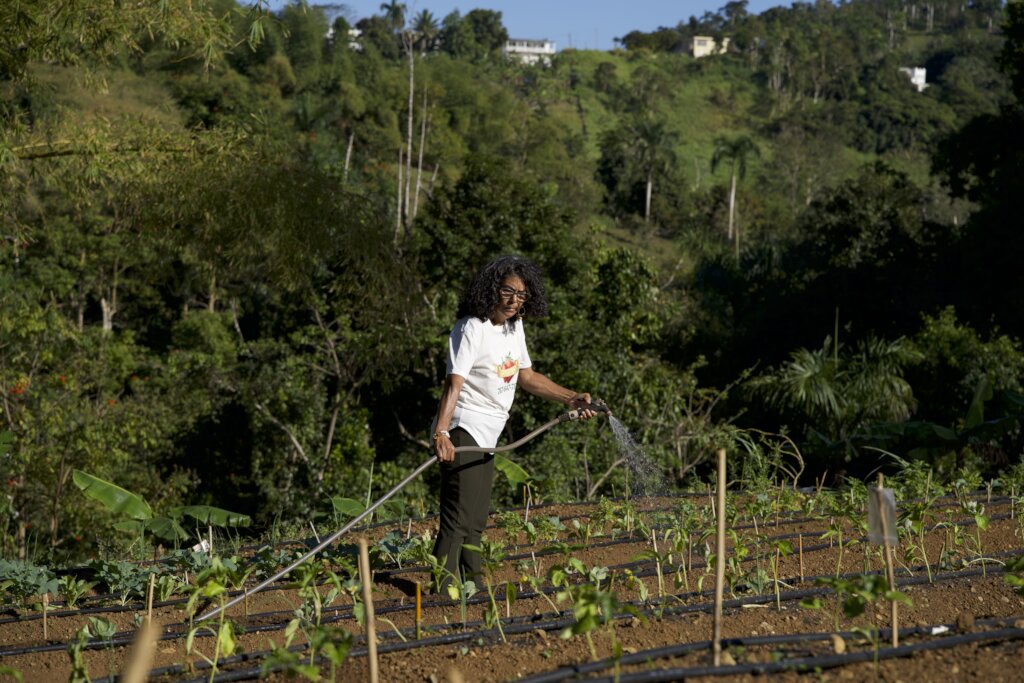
<point x="209" y="531"/>
<point x="800" y="543"/>
<point x="716" y="638"/>
<point x="46" y="608"/>
<point x="141" y="656"/>
<point x="149" y="597"/>
<point x="315" y="534"/>
<point x="778" y="502"/>
<point x="889" y="573"/>
<point x="778" y="556"/>
<point x="419" y="611"/>
<point x="371" y="627"/>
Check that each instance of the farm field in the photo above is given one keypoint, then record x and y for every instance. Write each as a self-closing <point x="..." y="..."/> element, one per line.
<point x="598" y="591"/>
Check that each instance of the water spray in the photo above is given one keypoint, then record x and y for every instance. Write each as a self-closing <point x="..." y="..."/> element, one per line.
<point x="598" y="406"/>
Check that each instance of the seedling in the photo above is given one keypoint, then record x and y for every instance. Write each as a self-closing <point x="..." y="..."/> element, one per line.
<point x="24" y="580"/>
<point x="852" y="596"/>
<point x="72" y="590"/>
<point x="915" y="516"/>
<point x="592" y="608"/>
<point x="76" y="648"/>
<point x="104" y="630"/>
<point x="124" y="579"/>
<point x="491" y="556"/>
<point x="211" y="583"/>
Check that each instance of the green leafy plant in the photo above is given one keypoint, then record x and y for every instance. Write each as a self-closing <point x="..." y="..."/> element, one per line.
<point x="852" y="596"/>
<point x="24" y="580"/>
<point x="210" y="584"/>
<point x="72" y="589"/>
<point x="104" y="630"/>
<point x="76" y="649"/>
<point x="491" y="555"/>
<point x="124" y="579"/>
<point x="1015" y="574"/>
<point x="517" y="477"/>
<point x="140" y="515"/>
<point x="593" y="607"/>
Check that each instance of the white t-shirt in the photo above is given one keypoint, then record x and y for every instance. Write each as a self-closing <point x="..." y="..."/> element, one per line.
<point x="489" y="357"/>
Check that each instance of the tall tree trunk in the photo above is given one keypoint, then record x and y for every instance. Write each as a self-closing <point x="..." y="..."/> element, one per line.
<point x="419" y="162"/>
<point x="647" y="200"/>
<point x="211" y="303"/>
<point x="433" y="177"/>
<point x="348" y="156"/>
<point x="58" y="496"/>
<point x="398" y="204"/>
<point x="407" y="37"/>
<point x="732" y="204"/>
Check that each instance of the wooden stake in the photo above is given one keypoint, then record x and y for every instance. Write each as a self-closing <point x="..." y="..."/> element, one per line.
<point x="371" y="627"/>
<point x="46" y="608"/>
<point x="141" y="656"/>
<point x="419" y="611"/>
<point x="800" y="543"/>
<point x="209" y="531"/>
<point x="245" y="601"/>
<point x="149" y="598"/>
<point x="778" y="502"/>
<point x="889" y="573"/>
<point x="716" y="638"/>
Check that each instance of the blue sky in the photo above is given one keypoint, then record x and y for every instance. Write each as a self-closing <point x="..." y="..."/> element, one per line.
<point x="584" y="24"/>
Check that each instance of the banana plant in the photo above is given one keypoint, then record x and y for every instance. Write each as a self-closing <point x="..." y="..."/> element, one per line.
<point x="141" y="517"/>
<point x="517" y="476"/>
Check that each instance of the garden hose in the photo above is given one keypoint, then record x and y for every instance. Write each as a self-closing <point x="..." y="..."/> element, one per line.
<point x="598" y="406"/>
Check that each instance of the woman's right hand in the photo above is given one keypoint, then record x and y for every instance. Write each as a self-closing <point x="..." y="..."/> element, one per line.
<point x="444" y="448"/>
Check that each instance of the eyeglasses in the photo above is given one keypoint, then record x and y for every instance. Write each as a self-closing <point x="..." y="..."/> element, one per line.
<point x="509" y="293"/>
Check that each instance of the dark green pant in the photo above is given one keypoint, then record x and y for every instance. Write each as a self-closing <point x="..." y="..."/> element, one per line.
<point x="465" y="503"/>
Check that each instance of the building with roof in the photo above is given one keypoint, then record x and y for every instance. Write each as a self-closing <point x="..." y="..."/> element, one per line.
<point x="529" y="51"/>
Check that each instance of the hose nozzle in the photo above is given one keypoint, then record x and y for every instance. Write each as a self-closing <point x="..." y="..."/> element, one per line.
<point x="597" y="405"/>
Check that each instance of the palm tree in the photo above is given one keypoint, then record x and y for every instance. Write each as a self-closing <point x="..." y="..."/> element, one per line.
<point x="841" y="393"/>
<point x="426" y="28"/>
<point x="653" y="148"/>
<point x="394" y="13"/>
<point x="736" y="150"/>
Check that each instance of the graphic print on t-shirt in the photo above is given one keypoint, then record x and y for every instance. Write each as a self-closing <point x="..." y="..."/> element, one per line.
<point x="508" y="368"/>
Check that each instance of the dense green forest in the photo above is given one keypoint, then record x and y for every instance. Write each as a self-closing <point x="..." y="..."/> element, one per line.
<point x="233" y="242"/>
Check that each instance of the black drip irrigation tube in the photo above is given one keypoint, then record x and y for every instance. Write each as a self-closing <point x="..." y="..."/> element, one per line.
<point x="565" y="673"/>
<point x="126" y="638"/>
<point x="531" y="623"/>
<point x="339" y="615"/>
<point x="668" y="569"/>
<point x="309" y="543"/>
<point x="785" y="519"/>
<point x="802" y="664"/>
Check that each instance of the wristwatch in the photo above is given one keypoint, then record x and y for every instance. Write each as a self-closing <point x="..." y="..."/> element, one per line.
<point x="442" y="432"/>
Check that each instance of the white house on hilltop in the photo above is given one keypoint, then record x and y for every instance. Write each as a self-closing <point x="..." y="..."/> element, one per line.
<point x="529" y="51"/>
<point x="702" y="46"/>
<point x="917" y="76"/>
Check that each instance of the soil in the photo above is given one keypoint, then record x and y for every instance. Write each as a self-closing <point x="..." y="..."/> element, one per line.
<point x="964" y="595"/>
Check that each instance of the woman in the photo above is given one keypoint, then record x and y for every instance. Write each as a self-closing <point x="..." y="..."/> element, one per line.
<point x="487" y="359"/>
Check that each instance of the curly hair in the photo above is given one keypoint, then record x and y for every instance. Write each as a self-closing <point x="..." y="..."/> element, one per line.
<point x="481" y="297"/>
